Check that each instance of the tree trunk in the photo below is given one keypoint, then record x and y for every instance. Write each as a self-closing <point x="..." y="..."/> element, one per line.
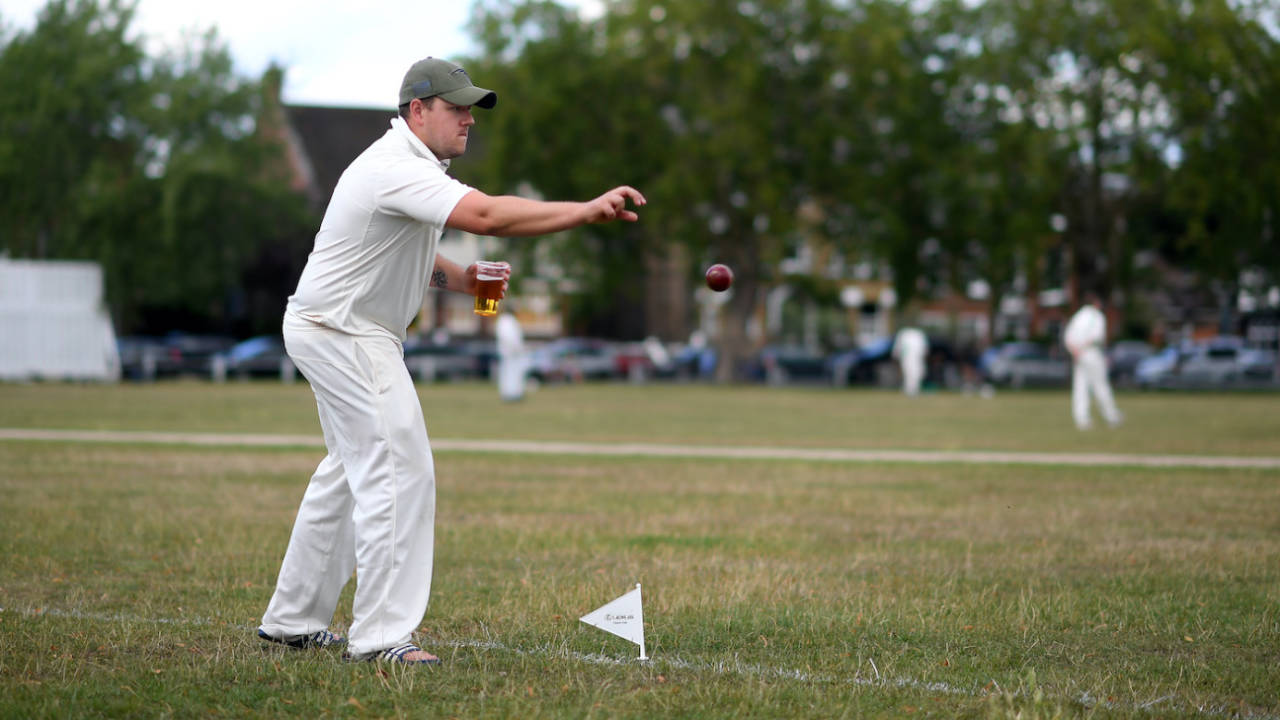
<point x="735" y="349"/>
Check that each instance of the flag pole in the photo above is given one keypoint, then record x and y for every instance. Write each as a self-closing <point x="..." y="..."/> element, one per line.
<point x="642" y="655"/>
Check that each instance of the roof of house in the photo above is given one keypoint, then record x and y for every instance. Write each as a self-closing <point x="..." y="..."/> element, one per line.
<point x="331" y="138"/>
<point x="327" y="139"/>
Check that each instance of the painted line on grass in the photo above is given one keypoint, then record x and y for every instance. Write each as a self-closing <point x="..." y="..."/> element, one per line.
<point x="733" y="667"/>
<point x="536" y="447"/>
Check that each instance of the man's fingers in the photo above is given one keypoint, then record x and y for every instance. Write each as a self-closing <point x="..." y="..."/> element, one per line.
<point x="613" y="204"/>
<point x="625" y="192"/>
<point x="634" y="194"/>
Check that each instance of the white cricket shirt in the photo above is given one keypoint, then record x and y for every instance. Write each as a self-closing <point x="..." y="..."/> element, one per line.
<point x="1087" y="328"/>
<point x="376" y="247"/>
<point x="910" y="342"/>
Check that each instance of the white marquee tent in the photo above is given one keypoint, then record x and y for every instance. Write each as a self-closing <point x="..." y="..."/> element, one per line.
<point x="53" y="322"/>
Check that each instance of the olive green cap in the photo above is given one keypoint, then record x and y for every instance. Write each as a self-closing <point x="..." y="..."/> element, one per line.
<point x="433" y="77"/>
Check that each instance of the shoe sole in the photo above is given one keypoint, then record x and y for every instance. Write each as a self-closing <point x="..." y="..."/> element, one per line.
<point x="306" y="643"/>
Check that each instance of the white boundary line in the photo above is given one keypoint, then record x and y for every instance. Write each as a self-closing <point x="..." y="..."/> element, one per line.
<point x="533" y="447"/>
<point x="732" y="667"/>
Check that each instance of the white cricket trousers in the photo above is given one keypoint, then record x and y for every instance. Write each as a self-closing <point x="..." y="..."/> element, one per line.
<point x="370" y="505"/>
<point x="1089" y="377"/>
<point x="511" y="376"/>
<point x="912" y="374"/>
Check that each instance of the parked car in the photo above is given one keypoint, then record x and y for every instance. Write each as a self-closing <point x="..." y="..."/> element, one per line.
<point x="261" y="356"/>
<point x="1123" y="358"/>
<point x="874" y="364"/>
<point x="146" y="358"/>
<point x="193" y="354"/>
<point x="1161" y="368"/>
<point x="871" y="363"/>
<point x="942" y="365"/>
<point x="1023" y="363"/>
<point x="485" y="353"/>
<point x="778" y="364"/>
<point x="1224" y="361"/>
<point x="646" y="359"/>
<point x="446" y="361"/>
<point x="1259" y="366"/>
<point x="573" y="359"/>
<point x="695" y="361"/>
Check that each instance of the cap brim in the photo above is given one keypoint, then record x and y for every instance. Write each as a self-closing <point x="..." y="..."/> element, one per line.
<point x="472" y="96"/>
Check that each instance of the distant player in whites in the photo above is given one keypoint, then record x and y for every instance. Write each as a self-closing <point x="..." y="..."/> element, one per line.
<point x="512" y="362"/>
<point x="1085" y="337"/>
<point x="910" y="347"/>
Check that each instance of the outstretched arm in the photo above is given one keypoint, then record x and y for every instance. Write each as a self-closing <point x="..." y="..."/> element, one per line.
<point x="511" y="216"/>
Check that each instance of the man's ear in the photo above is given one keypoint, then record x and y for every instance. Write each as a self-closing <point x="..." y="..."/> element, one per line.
<point x="419" y="115"/>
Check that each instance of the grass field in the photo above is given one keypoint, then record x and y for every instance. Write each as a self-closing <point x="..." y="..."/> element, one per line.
<point x="134" y="573"/>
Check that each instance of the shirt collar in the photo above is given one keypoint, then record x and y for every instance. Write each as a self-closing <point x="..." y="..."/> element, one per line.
<point x="419" y="147"/>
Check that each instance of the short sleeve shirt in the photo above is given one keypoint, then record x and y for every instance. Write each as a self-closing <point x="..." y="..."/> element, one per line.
<point x="1086" y="328"/>
<point x="376" y="247"/>
<point x="910" y="343"/>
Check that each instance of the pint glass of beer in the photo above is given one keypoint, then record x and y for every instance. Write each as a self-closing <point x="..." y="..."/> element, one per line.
<point x="489" y="279"/>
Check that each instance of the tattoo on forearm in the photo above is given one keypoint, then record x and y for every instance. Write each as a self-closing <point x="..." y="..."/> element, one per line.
<point x="439" y="279"/>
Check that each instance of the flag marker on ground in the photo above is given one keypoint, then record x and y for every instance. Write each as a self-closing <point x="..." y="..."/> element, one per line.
<point x="623" y="617"/>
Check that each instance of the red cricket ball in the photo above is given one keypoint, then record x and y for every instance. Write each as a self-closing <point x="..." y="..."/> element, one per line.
<point x="719" y="277"/>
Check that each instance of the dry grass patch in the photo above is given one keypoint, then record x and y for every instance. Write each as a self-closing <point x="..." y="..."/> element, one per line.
<point x="133" y="576"/>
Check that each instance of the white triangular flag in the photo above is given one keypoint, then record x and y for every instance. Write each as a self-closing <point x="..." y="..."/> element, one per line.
<point x="623" y="617"/>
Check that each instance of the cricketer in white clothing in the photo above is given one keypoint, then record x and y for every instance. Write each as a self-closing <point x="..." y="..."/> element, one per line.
<point x="910" y="347"/>
<point x="513" y="360"/>
<point x="1085" y="337"/>
<point x="370" y="505"/>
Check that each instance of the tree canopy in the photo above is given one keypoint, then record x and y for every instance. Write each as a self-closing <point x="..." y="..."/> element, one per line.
<point x="151" y="165"/>
<point x="1010" y="141"/>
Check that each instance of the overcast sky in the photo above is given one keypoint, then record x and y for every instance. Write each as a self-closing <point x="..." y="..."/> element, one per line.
<point x="335" y="52"/>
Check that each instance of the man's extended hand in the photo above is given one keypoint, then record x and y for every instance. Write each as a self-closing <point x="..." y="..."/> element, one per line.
<point x="613" y="205"/>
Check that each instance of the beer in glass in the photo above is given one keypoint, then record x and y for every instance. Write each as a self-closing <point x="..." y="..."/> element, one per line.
<point x="489" y="279"/>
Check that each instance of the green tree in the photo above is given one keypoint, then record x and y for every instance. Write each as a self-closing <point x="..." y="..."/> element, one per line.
<point x="1030" y="144"/>
<point x="153" y="166"/>
<point x="66" y="89"/>
<point x="704" y="106"/>
<point x="1007" y="167"/>
<point x="569" y="124"/>
<point x="894" y="150"/>
<point x="1154" y="148"/>
<point x="1225" y="182"/>
<point x="726" y="83"/>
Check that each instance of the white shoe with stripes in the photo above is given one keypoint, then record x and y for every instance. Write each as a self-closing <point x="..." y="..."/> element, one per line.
<point x="396" y="654"/>
<point x="318" y="639"/>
